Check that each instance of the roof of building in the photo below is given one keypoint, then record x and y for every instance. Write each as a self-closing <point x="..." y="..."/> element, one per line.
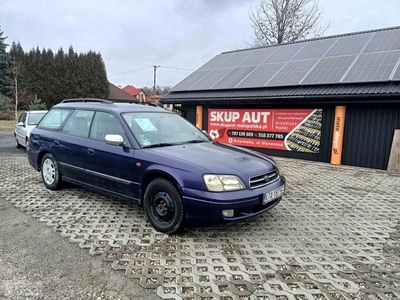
<point x="131" y="90"/>
<point x="344" y="64"/>
<point x="366" y="91"/>
<point x="117" y="94"/>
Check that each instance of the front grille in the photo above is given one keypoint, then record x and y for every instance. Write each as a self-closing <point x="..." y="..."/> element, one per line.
<point x="263" y="179"/>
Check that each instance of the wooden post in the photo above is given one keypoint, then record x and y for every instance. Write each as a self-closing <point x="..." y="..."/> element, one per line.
<point x="199" y="117"/>
<point x="394" y="158"/>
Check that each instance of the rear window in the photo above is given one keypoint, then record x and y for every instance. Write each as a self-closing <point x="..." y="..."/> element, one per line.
<point x="34" y="118"/>
<point x="54" y="118"/>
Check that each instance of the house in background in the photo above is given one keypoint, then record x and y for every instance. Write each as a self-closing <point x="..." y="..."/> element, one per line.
<point x="138" y="93"/>
<point x="118" y="95"/>
<point x="131" y="93"/>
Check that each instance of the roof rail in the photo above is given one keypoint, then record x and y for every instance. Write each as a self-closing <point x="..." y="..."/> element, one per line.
<point x="134" y="102"/>
<point x="86" y="100"/>
<point x="147" y="103"/>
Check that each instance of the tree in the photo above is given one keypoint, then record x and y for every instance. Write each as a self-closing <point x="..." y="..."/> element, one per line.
<point x="37" y="104"/>
<point x="160" y="90"/>
<point x="6" y="85"/>
<point x="17" y="55"/>
<point x="282" y="21"/>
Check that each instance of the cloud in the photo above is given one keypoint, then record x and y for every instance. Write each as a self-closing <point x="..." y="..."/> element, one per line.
<point x="182" y="34"/>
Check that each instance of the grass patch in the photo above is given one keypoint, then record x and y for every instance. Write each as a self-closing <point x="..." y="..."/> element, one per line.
<point x="7" y="125"/>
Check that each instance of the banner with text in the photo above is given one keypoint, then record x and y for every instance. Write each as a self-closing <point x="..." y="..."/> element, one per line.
<point x="282" y="129"/>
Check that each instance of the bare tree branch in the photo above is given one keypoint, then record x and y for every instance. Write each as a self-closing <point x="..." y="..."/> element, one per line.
<point x="282" y="21"/>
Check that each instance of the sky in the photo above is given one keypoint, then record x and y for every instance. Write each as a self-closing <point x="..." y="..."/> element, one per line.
<point x="179" y="36"/>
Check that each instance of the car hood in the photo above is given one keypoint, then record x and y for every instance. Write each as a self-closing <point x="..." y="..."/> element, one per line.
<point x="220" y="158"/>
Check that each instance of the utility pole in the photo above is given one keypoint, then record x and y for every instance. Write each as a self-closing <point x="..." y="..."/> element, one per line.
<point x="154" y="85"/>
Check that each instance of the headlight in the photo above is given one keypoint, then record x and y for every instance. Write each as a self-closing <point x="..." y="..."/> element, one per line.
<point x="220" y="183"/>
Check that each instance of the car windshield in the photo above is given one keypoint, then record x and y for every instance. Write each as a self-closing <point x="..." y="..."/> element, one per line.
<point x="34" y="118"/>
<point x="160" y="129"/>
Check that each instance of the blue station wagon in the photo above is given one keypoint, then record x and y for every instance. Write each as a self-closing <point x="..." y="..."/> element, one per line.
<point x="155" y="158"/>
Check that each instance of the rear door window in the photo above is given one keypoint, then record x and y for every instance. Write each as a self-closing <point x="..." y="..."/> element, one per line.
<point x="54" y="119"/>
<point x="79" y="123"/>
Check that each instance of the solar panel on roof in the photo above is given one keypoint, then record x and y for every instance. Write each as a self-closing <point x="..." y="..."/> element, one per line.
<point x="396" y="75"/>
<point x="359" y="57"/>
<point x="329" y="70"/>
<point x="235" y="59"/>
<point x="210" y="79"/>
<point x="384" y="41"/>
<point x="284" y="53"/>
<point x="189" y="81"/>
<point x="233" y="77"/>
<point x="260" y="75"/>
<point x="258" y="56"/>
<point x="214" y="62"/>
<point x="292" y="73"/>
<point x="314" y="49"/>
<point x="373" y="67"/>
<point x="347" y="45"/>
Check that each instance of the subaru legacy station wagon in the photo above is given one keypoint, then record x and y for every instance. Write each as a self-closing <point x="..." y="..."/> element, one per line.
<point x="154" y="158"/>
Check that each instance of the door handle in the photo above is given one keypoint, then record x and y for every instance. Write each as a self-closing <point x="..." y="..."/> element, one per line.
<point x="90" y="151"/>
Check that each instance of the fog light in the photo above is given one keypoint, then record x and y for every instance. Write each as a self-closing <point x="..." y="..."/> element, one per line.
<point x="228" y="213"/>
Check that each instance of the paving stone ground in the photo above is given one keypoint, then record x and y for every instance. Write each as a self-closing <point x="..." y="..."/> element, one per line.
<point x="335" y="235"/>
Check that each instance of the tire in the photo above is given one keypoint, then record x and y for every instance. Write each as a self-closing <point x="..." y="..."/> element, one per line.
<point x="163" y="206"/>
<point x="50" y="173"/>
<point x="17" y="145"/>
<point x="27" y="144"/>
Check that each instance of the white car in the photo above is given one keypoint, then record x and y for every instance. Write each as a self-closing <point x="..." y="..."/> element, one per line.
<point x="26" y="122"/>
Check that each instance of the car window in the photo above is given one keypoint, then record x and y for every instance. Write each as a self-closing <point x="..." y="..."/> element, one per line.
<point x="79" y="123"/>
<point x="106" y="123"/>
<point x="54" y="119"/>
<point x="34" y="118"/>
<point x="150" y="128"/>
<point x="23" y="117"/>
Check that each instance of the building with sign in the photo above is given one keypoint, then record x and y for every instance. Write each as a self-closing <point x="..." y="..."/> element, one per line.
<point x="333" y="99"/>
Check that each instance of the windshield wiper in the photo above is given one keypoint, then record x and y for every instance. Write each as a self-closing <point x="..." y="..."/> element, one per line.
<point x="196" y="141"/>
<point x="159" y="145"/>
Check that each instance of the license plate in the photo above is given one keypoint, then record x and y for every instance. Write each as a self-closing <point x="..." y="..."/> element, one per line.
<point x="272" y="195"/>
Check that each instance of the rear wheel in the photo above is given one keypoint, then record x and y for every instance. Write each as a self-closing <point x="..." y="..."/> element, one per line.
<point x="163" y="206"/>
<point x="50" y="173"/>
<point x="17" y="145"/>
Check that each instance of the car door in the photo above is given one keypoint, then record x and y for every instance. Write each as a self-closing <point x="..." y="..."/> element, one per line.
<point x="109" y="167"/>
<point x="20" y="133"/>
<point x="69" y="144"/>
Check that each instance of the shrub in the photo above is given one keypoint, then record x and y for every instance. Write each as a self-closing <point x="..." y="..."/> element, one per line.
<point x="6" y="112"/>
<point x="37" y="104"/>
<point x="5" y="103"/>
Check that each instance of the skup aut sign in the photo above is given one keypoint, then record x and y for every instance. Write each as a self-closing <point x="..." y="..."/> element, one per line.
<point x="282" y="129"/>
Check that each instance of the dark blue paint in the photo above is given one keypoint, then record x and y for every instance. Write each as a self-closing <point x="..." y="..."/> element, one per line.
<point x="112" y="169"/>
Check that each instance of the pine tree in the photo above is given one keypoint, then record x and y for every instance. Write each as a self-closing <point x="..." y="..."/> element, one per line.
<point x="37" y="104"/>
<point x="6" y="84"/>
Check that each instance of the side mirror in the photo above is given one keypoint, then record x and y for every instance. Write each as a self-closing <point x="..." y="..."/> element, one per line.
<point x="20" y="124"/>
<point x="114" y="139"/>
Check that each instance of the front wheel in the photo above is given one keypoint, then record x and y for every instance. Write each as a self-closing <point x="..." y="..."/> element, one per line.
<point x="163" y="206"/>
<point x="50" y="173"/>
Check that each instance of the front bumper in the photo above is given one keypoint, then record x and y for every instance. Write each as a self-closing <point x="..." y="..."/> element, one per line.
<point x="206" y="207"/>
